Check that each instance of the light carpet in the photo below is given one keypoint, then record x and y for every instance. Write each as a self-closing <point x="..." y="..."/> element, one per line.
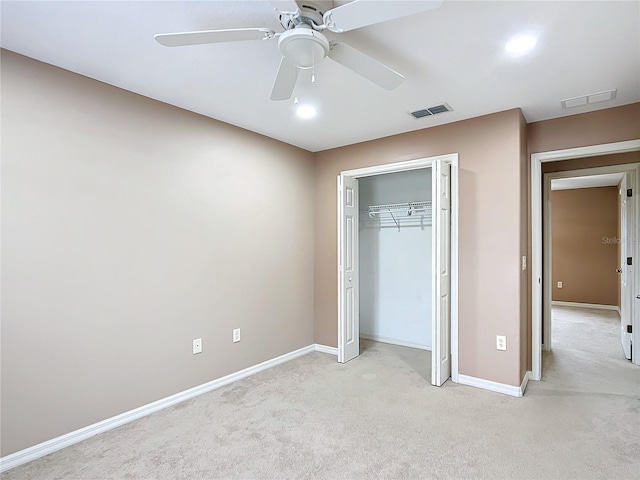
<point x="378" y="417"/>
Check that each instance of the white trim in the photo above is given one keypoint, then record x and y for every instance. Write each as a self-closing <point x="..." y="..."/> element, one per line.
<point x="495" y="386"/>
<point x="45" y="448"/>
<point x="416" y="164"/>
<point x="536" y="268"/>
<point x="536" y="231"/>
<point x="585" y="305"/>
<point x="455" y="179"/>
<point x="547" y="259"/>
<point x="326" y="349"/>
<point x="395" y="341"/>
<point x="451" y="158"/>
<point x="341" y="326"/>
<point x="590" y="151"/>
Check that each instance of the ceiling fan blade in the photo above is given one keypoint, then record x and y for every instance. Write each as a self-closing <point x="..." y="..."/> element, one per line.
<point x="365" y="66"/>
<point x="285" y="6"/>
<point x="360" y="13"/>
<point x="285" y="81"/>
<point x="213" y="36"/>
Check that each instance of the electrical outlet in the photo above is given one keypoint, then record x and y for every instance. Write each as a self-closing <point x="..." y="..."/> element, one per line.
<point x="197" y="346"/>
<point x="559" y="284"/>
<point x="236" y="335"/>
<point x="501" y="342"/>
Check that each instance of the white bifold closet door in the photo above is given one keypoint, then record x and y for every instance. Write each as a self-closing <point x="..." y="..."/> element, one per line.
<point x="348" y="278"/>
<point x="441" y="324"/>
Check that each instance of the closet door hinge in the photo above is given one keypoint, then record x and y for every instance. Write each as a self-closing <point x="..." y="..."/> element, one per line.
<point x="629" y="192"/>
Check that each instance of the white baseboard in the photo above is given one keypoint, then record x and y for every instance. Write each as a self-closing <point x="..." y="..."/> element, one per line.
<point x="394" y="341"/>
<point x="326" y="349"/>
<point x="45" y="448"/>
<point x="494" y="386"/>
<point x="586" y="305"/>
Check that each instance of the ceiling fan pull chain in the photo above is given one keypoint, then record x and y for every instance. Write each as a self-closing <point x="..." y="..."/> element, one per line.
<point x="313" y="66"/>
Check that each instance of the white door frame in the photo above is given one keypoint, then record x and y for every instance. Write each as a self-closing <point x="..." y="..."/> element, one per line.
<point x="547" y="233"/>
<point x="452" y="159"/>
<point x="537" y="159"/>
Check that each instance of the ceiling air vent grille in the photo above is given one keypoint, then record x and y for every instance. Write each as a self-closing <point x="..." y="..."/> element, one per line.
<point x="428" y="111"/>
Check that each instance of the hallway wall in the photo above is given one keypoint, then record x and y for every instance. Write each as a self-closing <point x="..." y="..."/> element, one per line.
<point x="584" y="233"/>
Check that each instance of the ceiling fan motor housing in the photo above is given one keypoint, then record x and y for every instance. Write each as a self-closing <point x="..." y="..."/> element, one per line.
<point x="310" y="13"/>
<point x="303" y="47"/>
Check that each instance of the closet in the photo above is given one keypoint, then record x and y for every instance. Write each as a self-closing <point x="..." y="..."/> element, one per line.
<point x="395" y="258"/>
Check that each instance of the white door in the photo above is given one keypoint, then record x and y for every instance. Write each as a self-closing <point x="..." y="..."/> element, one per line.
<point x="626" y="275"/>
<point x="349" y="318"/>
<point x="441" y="317"/>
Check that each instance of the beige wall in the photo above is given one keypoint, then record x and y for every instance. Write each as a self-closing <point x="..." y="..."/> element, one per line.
<point x="582" y="260"/>
<point x="130" y="228"/>
<point x="603" y="126"/>
<point x="491" y="232"/>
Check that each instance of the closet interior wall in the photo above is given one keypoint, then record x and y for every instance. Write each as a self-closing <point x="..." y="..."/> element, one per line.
<point x="396" y="259"/>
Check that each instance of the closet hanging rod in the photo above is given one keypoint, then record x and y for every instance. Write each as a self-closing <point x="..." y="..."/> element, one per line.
<point x="419" y="208"/>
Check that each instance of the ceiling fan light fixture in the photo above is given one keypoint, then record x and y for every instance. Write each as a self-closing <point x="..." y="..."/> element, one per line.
<point x="303" y="47"/>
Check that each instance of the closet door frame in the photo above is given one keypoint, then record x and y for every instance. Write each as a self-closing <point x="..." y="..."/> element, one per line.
<point x="420" y="163"/>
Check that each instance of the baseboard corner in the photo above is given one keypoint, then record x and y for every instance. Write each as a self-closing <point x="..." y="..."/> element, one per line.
<point x="491" y="385"/>
<point x="326" y="349"/>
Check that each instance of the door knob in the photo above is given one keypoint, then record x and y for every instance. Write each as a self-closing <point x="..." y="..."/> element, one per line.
<point x="618" y="270"/>
<point x="638" y="297"/>
<point x="350" y="278"/>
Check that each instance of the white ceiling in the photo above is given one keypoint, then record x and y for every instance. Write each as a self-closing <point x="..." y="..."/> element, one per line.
<point x="454" y="54"/>
<point x="591" y="181"/>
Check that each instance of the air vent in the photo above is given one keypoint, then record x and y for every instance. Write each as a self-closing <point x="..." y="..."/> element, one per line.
<point x="428" y="111"/>
<point x="588" y="99"/>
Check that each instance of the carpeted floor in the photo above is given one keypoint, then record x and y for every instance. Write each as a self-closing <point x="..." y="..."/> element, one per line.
<point x="378" y="417"/>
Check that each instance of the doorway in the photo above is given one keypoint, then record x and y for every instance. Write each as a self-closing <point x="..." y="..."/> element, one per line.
<point x="443" y="216"/>
<point x="588" y="217"/>
<point x="541" y="267"/>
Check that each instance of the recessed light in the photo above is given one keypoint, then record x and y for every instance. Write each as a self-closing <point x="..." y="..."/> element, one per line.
<point x="306" y="111"/>
<point x="521" y="44"/>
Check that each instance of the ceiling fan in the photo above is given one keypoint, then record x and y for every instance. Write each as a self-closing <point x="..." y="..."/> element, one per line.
<point x="303" y="44"/>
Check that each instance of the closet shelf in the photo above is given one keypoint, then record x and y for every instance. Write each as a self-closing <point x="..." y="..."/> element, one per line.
<point x="397" y="209"/>
<point x="397" y="215"/>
